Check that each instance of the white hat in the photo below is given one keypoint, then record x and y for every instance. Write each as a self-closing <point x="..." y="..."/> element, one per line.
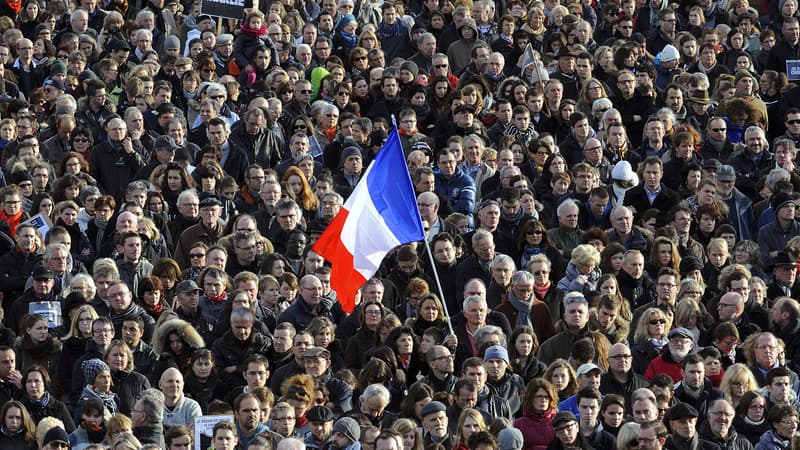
<point x="669" y="53"/>
<point x="623" y="171"/>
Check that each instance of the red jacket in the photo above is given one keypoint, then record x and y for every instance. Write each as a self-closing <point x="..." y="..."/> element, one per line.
<point x="661" y="365"/>
<point x="537" y="430"/>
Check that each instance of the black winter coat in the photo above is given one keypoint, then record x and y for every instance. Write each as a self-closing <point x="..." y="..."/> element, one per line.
<point x="128" y="386"/>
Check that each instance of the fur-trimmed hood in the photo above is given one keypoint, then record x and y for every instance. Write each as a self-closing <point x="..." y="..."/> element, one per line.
<point x="184" y="329"/>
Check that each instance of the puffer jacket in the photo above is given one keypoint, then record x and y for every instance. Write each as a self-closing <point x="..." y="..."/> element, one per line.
<point x="188" y="334"/>
<point x="771" y="441"/>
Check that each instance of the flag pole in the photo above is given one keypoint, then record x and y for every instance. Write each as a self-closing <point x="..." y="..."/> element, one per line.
<point x="438" y="284"/>
<point x="430" y="256"/>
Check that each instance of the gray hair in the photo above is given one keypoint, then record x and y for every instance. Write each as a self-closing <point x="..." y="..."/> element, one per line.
<point x="757" y="129"/>
<point x="611" y="112"/>
<point x="291" y="444"/>
<point x="474" y="299"/>
<point x="377" y="390"/>
<point x="336" y="195"/>
<point x="243" y="236"/>
<point x="242" y="314"/>
<point x="619" y="209"/>
<point x="186" y="195"/>
<point x="775" y="175"/>
<point x="216" y="87"/>
<point x="565" y="205"/>
<point x="78" y="13"/>
<point x="287" y="203"/>
<point x="481" y="235"/>
<point x="209" y="101"/>
<point x="503" y="259"/>
<point x="147" y="32"/>
<point x="152" y="405"/>
<point x="51" y="248"/>
<point x="82" y="278"/>
<point x="328" y="107"/>
<point x="504" y="171"/>
<point x="131" y="112"/>
<point x="144" y="13"/>
<point x="482" y="333"/>
<point x="471" y="138"/>
<point x="668" y="112"/>
<point x="522" y="276"/>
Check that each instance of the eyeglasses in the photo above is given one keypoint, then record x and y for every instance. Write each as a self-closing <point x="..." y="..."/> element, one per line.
<point x="218" y="97"/>
<point x="196" y="255"/>
<point x="565" y="428"/>
<point x="658" y="322"/>
<point x="621" y="356"/>
<point x="791" y="423"/>
<point x="439" y="358"/>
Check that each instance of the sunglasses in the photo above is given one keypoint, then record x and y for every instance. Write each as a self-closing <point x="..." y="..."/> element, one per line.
<point x="793" y="122"/>
<point x="80" y="140"/>
<point x="532" y="232"/>
<point x="657" y="322"/>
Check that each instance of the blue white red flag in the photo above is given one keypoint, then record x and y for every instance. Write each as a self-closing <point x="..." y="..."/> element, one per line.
<point x="379" y="215"/>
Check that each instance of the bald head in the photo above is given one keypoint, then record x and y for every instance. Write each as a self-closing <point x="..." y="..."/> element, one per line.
<point x="127" y="221"/>
<point x="730" y="306"/>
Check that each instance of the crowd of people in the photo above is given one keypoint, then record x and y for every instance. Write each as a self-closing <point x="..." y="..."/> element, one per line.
<point x="608" y="192"/>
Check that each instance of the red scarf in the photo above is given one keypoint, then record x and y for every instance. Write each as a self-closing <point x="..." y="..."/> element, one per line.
<point x="16" y="5"/>
<point x="245" y="193"/>
<point x="252" y="31"/>
<point x="330" y="134"/>
<point x="219" y="299"/>
<point x="541" y="291"/>
<point x="12" y="221"/>
<point x="155" y="309"/>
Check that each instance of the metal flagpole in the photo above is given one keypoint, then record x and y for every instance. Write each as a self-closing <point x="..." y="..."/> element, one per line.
<point x="439" y="285"/>
<point x="433" y="263"/>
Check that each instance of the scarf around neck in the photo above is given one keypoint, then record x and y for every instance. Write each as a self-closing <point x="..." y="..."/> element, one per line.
<point x="252" y="31"/>
<point x="523" y="310"/>
<point x="388" y="31"/>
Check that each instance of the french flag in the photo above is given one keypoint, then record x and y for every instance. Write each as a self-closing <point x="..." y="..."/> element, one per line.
<point x="379" y="215"/>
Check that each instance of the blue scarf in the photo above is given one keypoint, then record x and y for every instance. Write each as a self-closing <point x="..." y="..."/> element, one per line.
<point x="42" y="402"/>
<point x="349" y="40"/>
<point x="388" y="31"/>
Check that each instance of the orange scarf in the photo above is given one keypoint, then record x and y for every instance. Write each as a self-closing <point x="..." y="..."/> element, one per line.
<point x="13" y="221"/>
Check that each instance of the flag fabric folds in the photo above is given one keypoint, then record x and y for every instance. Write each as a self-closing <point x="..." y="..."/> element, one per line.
<point x="379" y="215"/>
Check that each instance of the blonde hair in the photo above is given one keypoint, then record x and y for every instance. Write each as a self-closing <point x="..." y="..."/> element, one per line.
<point x="585" y="254"/>
<point x="648" y="315"/>
<point x="719" y="244"/>
<point x="737" y="373"/>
